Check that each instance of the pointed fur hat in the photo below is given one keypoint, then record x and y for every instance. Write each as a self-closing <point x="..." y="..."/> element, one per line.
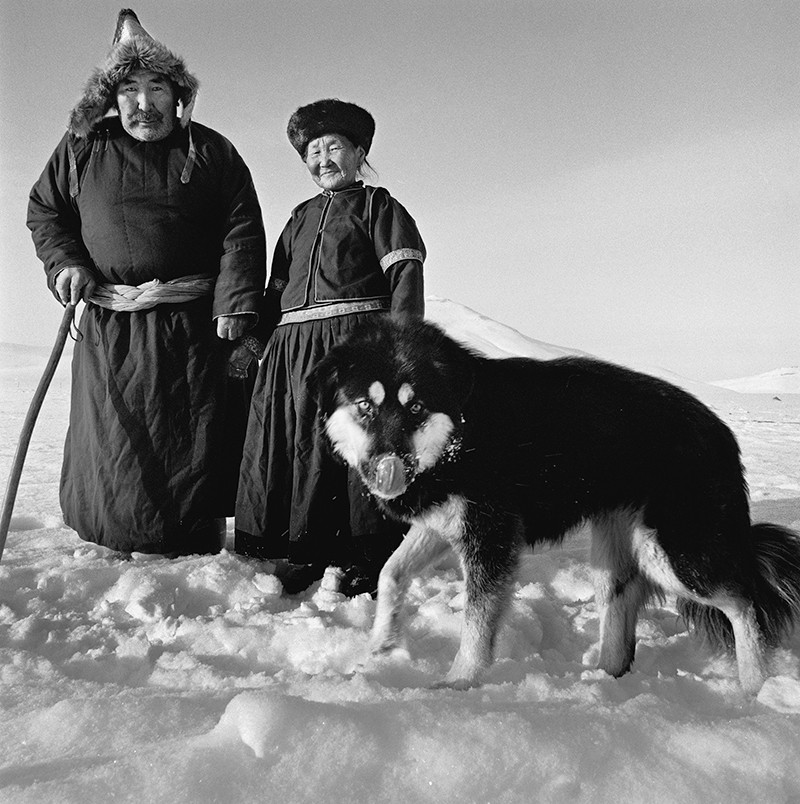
<point x="330" y="116"/>
<point x="132" y="49"/>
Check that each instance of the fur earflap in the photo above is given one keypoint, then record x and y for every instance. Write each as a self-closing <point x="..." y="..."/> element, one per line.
<point x="133" y="49"/>
<point x="330" y="116"/>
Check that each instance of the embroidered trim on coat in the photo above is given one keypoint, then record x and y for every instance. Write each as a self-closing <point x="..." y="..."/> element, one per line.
<point x="400" y="254"/>
<point x="332" y="310"/>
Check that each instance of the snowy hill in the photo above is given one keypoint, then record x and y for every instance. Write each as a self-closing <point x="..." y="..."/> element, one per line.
<point x="487" y="335"/>
<point x="779" y="381"/>
<point x="498" y="340"/>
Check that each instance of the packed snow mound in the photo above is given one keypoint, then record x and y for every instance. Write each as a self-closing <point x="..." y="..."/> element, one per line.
<point x="487" y="335"/>
<point x="778" y="381"/>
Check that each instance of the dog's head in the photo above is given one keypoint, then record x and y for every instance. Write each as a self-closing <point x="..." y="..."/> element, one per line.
<point x="392" y="398"/>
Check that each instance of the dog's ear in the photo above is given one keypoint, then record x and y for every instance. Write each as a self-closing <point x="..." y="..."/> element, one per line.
<point x="322" y="382"/>
<point x="327" y="375"/>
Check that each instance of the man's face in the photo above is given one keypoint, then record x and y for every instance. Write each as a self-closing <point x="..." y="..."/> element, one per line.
<point x="146" y="103"/>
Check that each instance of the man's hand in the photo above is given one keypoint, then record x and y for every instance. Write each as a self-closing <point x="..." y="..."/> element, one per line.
<point x="74" y="283"/>
<point x="231" y="327"/>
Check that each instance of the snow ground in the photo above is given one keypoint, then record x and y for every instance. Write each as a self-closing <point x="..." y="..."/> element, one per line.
<point x="196" y="680"/>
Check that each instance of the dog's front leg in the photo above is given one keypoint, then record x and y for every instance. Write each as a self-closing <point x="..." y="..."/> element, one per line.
<point x="489" y="575"/>
<point x="418" y="550"/>
<point x="482" y="615"/>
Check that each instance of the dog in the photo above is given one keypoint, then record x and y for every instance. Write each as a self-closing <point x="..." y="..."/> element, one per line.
<point x="486" y="456"/>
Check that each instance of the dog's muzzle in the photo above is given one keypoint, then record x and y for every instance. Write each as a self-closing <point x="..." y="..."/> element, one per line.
<point x="389" y="476"/>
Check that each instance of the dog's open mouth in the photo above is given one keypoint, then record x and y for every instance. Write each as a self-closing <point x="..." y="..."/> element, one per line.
<point x="388" y="476"/>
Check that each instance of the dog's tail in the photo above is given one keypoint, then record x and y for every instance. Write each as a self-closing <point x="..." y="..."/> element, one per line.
<point x="775" y="585"/>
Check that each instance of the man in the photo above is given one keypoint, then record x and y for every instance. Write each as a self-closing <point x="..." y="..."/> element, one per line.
<point x="153" y="220"/>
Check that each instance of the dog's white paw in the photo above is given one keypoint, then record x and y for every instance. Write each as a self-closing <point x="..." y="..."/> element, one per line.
<point x="591" y="657"/>
<point x="389" y="650"/>
<point x="461" y="677"/>
<point x="456" y="684"/>
<point x="383" y="643"/>
<point x="394" y="654"/>
<point x="388" y="656"/>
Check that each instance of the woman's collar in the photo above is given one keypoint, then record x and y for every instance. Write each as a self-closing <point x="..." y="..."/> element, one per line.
<point x="357" y="185"/>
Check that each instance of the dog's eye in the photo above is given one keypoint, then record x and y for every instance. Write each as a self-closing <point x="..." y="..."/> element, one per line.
<point x="364" y="407"/>
<point x="415" y="408"/>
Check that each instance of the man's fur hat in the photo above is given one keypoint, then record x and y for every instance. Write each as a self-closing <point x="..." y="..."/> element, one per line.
<point x="330" y="116"/>
<point x="132" y="49"/>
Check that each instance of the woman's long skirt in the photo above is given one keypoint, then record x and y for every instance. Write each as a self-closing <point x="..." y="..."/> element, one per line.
<point x="295" y="499"/>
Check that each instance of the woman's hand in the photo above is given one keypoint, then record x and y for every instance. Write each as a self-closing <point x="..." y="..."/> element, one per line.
<point x="74" y="283"/>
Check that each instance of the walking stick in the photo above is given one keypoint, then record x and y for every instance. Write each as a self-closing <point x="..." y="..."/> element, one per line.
<point x="30" y="420"/>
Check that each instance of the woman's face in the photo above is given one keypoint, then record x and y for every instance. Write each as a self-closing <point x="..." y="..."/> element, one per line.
<point x="333" y="161"/>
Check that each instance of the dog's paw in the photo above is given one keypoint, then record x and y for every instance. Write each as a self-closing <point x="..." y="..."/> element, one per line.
<point x="391" y="649"/>
<point x="456" y="684"/>
<point x="460" y="677"/>
<point x="381" y="644"/>
<point x="466" y="671"/>
<point x="591" y="657"/>
<point x="378" y="660"/>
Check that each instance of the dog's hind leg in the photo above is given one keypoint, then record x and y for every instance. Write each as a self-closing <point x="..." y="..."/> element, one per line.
<point x="726" y="614"/>
<point x="750" y="659"/>
<point x="420" y="548"/>
<point x="620" y="590"/>
<point x="728" y="608"/>
<point x="619" y="600"/>
<point x="729" y="620"/>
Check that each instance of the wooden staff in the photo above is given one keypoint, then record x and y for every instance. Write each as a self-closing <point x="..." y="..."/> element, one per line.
<point x="30" y="420"/>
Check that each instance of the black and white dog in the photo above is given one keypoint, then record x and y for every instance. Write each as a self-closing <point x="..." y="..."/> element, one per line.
<point x="485" y="456"/>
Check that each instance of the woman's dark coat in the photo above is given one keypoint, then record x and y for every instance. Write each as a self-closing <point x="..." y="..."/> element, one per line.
<point x="356" y="250"/>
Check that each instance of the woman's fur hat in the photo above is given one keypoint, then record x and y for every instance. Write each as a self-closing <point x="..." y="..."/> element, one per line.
<point x="330" y="116"/>
<point x="132" y="49"/>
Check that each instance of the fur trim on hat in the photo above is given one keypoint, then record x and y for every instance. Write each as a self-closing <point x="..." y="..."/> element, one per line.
<point x="133" y="49"/>
<point x="330" y="116"/>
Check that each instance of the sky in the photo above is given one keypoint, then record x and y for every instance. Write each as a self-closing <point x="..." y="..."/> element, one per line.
<point x="615" y="176"/>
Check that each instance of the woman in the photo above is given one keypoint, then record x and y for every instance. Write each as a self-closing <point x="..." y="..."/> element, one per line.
<point x="348" y="254"/>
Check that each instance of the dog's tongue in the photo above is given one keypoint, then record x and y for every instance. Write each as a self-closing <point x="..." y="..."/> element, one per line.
<point x="390" y="478"/>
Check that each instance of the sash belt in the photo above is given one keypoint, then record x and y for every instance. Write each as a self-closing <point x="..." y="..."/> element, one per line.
<point x="130" y="298"/>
